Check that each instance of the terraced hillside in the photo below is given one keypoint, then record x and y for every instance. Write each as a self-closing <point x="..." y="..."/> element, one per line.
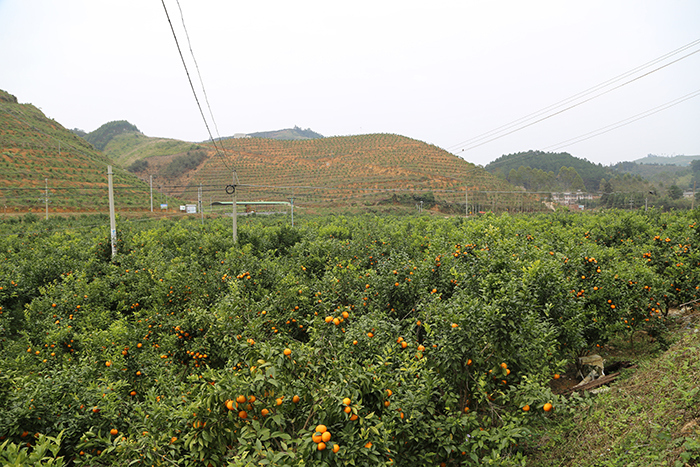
<point x="361" y="172"/>
<point x="37" y="152"/>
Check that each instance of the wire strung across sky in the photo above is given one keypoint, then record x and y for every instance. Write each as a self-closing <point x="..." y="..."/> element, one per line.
<point x="621" y="123"/>
<point x="544" y="113"/>
<point x="184" y="64"/>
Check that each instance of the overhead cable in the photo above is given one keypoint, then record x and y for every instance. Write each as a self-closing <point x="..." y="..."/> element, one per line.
<point x="543" y="114"/>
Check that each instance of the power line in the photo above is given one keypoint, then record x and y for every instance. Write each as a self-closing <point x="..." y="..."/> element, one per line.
<point x="621" y="123"/>
<point x="519" y="124"/>
<point x="184" y="64"/>
<point x="189" y="44"/>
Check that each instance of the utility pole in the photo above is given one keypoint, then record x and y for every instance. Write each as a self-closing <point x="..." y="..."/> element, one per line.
<point x="292" y="201"/>
<point x="112" y="219"/>
<point x="151" y="184"/>
<point x="692" y="202"/>
<point x="46" y="195"/>
<point x="235" y="208"/>
<point x="466" y="201"/>
<point x="200" y="203"/>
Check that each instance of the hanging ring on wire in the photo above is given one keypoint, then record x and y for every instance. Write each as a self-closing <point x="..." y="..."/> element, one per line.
<point x="230" y="189"/>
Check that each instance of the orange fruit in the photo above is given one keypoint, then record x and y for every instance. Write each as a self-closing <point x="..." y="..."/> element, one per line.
<point x="243" y="414"/>
<point x="321" y="429"/>
<point x="526" y="408"/>
<point x="295" y="399"/>
<point x="547" y="407"/>
<point x="556" y="376"/>
<point x="317" y="438"/>
<point x="278" y="401"/>
<point x="388" y="392"/>
<point x="241" y="399"/>
<point x="347" y="401"/>
<point x="387" y="403"/>
<point x="336" y="447"/>
<point x="230" y="404"/>
<point x="108" y="363"/>
<point x="369" y="444"/>
<point x="287" y="352"/>
<point x="326" y="436"/>
<point x="347" y="409"/>
<point x="113" y="432"/>
<point x="353" y="417"/>
<point x="321" y="446"/>
<point x="264" y="412"/>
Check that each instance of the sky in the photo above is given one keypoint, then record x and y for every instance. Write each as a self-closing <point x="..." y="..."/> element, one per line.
<point x="443" y="72"/>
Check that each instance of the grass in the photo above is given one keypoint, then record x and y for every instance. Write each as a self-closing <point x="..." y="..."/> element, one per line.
<point x="649" y="417"/>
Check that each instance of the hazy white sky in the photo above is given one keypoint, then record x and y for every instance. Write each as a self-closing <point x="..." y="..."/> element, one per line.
<point x="441" y="71"/>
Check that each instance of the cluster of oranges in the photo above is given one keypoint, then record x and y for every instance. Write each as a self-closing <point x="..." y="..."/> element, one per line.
<point x="322" y="437"/>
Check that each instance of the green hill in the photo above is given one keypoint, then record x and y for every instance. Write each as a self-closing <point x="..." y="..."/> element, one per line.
<point x="37" y="152"/>
<point x="545" y="168"/>
<point x="104" y="134"/>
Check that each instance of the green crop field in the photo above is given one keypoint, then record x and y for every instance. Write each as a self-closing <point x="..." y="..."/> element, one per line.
<point x="341" y="341"/>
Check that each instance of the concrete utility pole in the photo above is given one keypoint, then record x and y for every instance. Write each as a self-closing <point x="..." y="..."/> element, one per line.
<point x="112" y="219"/>
<point x="291" y="200"/>
<point x="466" y="201"/>
<point x="199" y="199"/>
<point x="46" y="196"/>
<point x="235" y="209"/>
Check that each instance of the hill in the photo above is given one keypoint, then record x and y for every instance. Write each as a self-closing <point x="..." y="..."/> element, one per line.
<point x="366" y="172"/>
<point x="683" y="161"/>
<point x="544" y="170"/>
<point x="287" y="134"/>
<point x="37" y="152"/>
<point x="104" y="134"/>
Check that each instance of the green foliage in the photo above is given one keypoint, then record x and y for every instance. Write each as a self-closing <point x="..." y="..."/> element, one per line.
<point x="439" y="331"/>
<point x="104" y="134"/>
<point x="539" y="164"/>
<point x="183" y="163"/>
<point x="138" y="166"/>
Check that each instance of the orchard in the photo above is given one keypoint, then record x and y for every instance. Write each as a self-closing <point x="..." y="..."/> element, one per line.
<point x="342" y="341"/>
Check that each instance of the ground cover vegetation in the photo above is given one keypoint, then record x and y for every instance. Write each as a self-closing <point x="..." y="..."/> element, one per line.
<point x="341" y="341"/>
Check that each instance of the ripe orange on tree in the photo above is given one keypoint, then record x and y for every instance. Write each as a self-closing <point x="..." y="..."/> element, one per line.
<point x="114" y="432"/>
<point x="547" y="407"/>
